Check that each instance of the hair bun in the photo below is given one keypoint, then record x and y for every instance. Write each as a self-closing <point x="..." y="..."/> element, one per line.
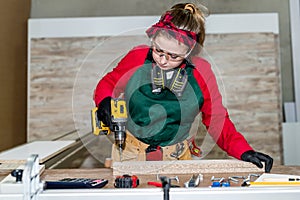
<point x="190" y="7"/>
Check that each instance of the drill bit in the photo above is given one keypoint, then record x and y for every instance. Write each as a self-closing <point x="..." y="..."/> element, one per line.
<point x="120" y="152"/>
<point x="119" y="141"/>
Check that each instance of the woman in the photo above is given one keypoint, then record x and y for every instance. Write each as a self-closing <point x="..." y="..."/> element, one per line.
<point x="166" y="86"/>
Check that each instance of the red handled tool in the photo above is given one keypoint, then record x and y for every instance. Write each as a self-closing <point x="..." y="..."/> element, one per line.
<point x="159" y="184"/>
<point x="156" y="184"/>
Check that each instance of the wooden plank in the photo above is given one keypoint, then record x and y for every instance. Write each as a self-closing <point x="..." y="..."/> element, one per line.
<point x="45" y="150"/>
<point x="183" y="167"/>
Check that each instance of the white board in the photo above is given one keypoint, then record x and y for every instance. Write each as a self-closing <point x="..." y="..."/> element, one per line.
<point x="45" y="150"/>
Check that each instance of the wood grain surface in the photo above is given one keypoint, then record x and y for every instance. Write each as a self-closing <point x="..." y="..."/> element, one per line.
<point x="183" y="167"/>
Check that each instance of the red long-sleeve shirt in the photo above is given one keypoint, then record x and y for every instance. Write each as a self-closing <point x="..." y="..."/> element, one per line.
<point x="214" y="115"/>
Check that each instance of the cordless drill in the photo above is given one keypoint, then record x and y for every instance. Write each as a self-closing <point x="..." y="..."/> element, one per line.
<point x="118" y="119"/>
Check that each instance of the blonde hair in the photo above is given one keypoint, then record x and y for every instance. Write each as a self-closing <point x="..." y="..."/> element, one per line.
<point x="189" y="17"/>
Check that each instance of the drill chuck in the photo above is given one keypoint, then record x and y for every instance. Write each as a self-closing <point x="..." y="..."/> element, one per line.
<point x="120" y="134"/>
<point x="120" y="138"/>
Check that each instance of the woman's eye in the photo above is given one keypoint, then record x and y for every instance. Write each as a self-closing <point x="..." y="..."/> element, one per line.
<point x="159" y="50"/>
<point x="174" y="56"/>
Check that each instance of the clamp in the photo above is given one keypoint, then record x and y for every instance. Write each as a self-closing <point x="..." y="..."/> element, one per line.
<point x="217" y="182"/>
<point x="194" y="181"/>
<point x="222" y="182"/>
<point x="247" y="180"/>
<point x="166" y="184"/>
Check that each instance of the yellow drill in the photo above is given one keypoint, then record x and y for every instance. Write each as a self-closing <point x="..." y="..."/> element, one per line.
<point x="118" y="119"/>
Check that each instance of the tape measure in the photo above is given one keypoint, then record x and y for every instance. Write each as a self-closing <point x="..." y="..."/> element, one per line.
<point x="126" y="181"/>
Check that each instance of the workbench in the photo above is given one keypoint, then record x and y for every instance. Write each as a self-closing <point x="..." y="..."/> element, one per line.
<point x="144" y="191"/>
<point x="106" y="173"/>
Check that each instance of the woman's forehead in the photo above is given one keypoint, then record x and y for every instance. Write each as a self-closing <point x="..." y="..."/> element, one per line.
<point x="170" y="44"/>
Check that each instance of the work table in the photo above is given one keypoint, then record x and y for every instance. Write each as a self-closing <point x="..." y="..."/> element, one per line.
<point x="144" y="191"/>
<point x="106" y="173"/>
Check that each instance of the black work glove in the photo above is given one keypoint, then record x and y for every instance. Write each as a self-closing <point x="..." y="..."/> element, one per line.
<point x="257" y="158"/>
<point x="104" y="111"/>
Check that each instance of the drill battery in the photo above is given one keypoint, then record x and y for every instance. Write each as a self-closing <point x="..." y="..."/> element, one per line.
<point x="126" y="181"/>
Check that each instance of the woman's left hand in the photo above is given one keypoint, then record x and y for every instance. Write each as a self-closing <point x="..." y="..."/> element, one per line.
<point x="257" y="158"/>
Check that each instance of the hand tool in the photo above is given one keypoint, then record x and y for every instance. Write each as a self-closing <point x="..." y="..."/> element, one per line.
<point x="118" y="119"/>
<point x="217" y="179"/>
<point x="126" y="181"/>
<point x="253" y="175"/>
<point x="239" y="177"/>
<point x="233" y="179"/>
<point x="194" y="181"/>
<point x="226" y="184"/>
<point x="171" y="178"/>
<point x="217" y="182"/>
<point x="166" y="184"/>
<point x="222" y="182"/>
<point x="246" y="181"/>
<point x="159" y="184"/>
<point x="154" y="183"/>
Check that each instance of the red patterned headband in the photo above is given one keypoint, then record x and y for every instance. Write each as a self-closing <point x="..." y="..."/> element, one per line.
<point x="187" y="37"/>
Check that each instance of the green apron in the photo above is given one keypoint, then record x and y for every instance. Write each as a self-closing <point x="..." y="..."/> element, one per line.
<point x="160" y="119"/>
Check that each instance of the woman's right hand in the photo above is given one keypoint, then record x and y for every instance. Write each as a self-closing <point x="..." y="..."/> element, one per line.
<point x="104" y="111"/>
